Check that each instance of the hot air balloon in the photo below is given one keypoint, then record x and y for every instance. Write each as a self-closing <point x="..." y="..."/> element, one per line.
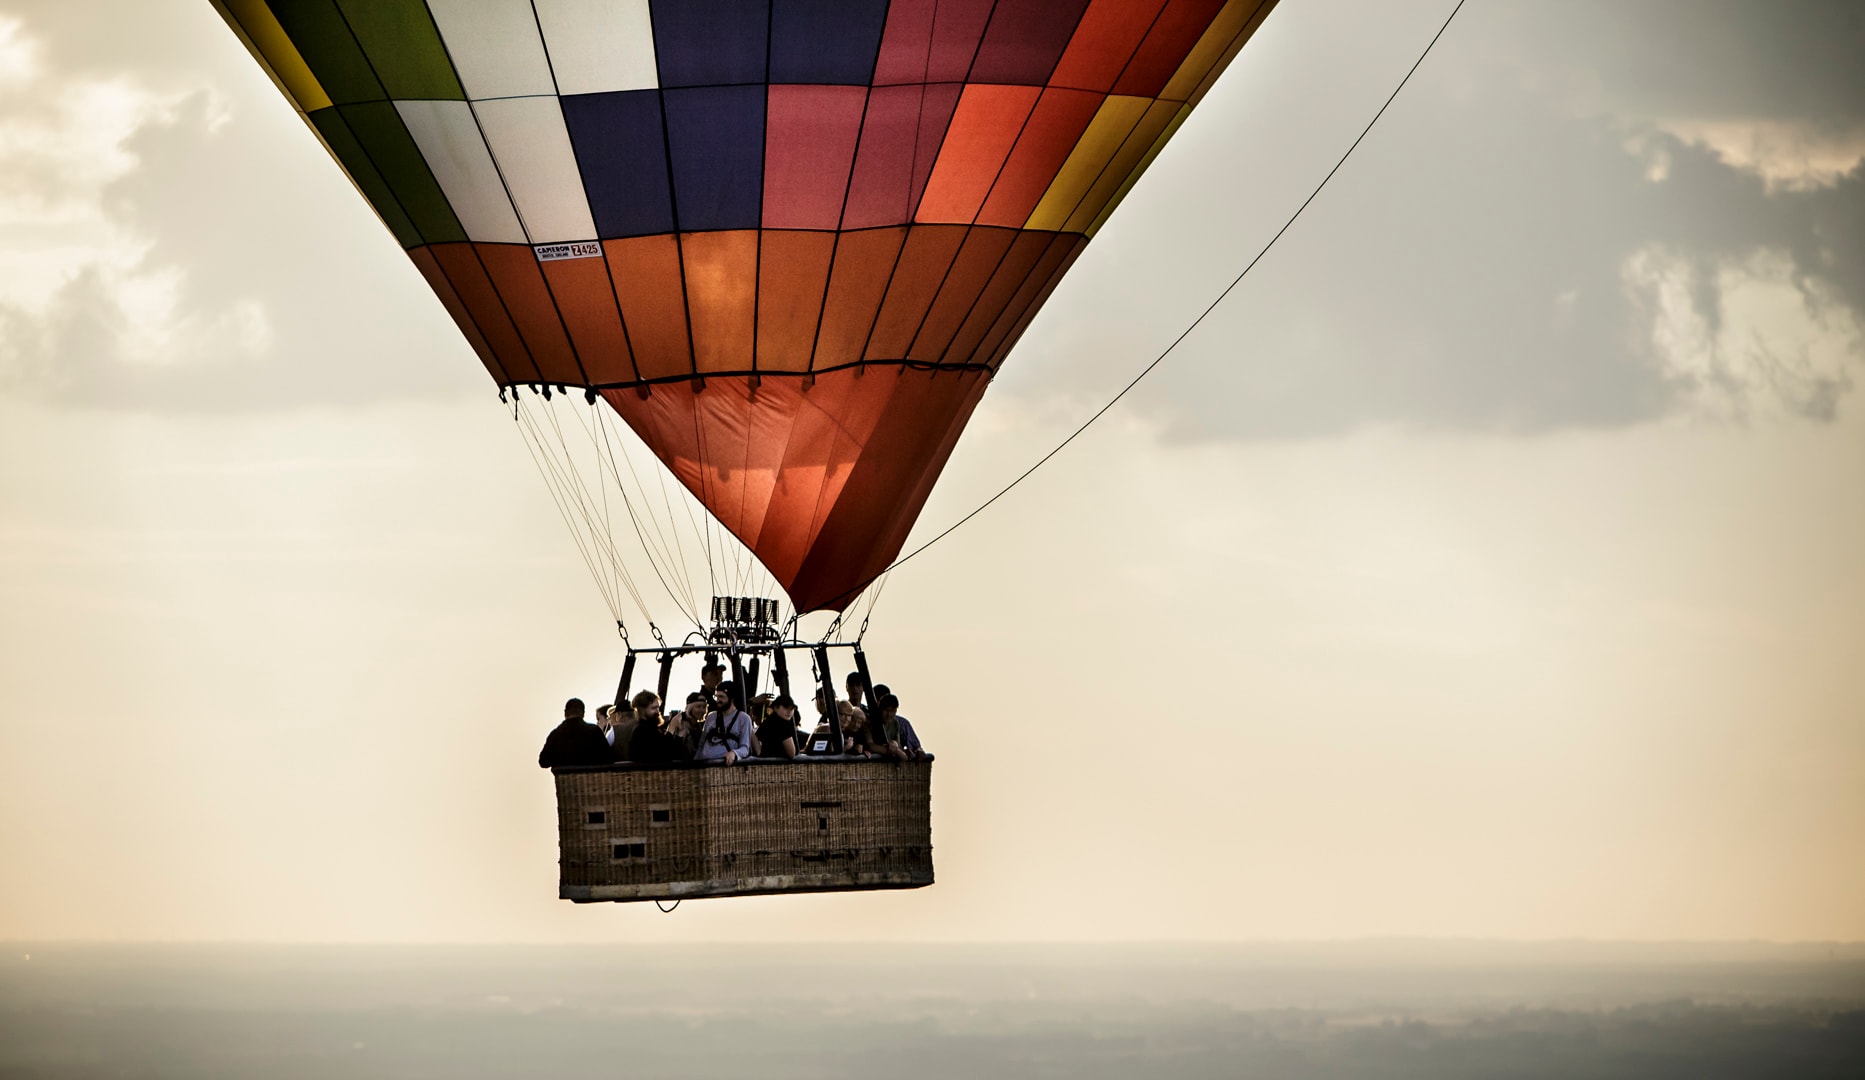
<point x="788" y="243"/>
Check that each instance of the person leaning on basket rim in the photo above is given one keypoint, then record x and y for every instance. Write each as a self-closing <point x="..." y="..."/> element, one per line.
<point x="575" y="741"/>
<point x="651" y="743"/>
<point x="684" y="725"/>
<point x="909" y="740"/>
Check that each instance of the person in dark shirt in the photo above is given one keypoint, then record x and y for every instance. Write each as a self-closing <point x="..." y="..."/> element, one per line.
<point x="574" y="742"/>
<point x="777" y="735"/>
<point x="909" y="739"/>
<point x="650" y="743"/>
<point x="882" y="734"/>
<point x="685" y="725"/>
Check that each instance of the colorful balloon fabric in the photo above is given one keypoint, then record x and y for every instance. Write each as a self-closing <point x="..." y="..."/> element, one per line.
<point x="789" y="241"/>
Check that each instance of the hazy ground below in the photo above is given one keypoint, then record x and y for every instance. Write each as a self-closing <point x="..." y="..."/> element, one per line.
<point x="1368" y="1009"/>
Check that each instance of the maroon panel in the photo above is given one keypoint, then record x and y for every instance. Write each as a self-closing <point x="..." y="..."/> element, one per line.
<point x="586" y="299"/>
<point x="481" y="298"/>
<point x="1006" y="279"/>
<point x="930" y="41"/>
<point x="1053" y="129"/>
<point x="1109" y="32"/>
<point x="923" y="262"/>
<point x="1024" y="41"/>
<point x="1073" y="251"/>
<point x="809" y="146"/>
<point x="437" y="280"/>
<point x="971" y="271"/>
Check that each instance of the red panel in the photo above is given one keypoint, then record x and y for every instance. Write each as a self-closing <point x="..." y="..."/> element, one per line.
<point x="513" y="269"/>
<point x="587" y="302"/>
<point x="798" y="469"/>
<point x="809" y="145"/>
<point x="449" y="299"/>
<point x="930" y="41"/>
<point x="1109" y="32"/>
<point x="863" y="263"/>
<point x="1174" y="33"/>
<point x="923" y="262"/>
<point x="793" y="272"/>
<point x="1051" y="272"/>
<point x="899" y="141"/>
<point x="1055" y="126"/>
<point x="652" y="296"/>
<point x="983" y="130"/>
<point x="971" y="271"/>
<point x="1024" y="299"/>
<point x="722" y="297"/>
<point x="1005" y="281"/>
<point x="482" y="302"/>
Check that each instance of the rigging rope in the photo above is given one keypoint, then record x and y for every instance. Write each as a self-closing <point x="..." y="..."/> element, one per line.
<point x="1212" y="306"/>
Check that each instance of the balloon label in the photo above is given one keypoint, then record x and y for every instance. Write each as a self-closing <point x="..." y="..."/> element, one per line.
<point x="582" y="249"/>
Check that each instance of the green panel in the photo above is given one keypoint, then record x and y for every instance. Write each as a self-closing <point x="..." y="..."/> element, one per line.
<point x="403" y="44"/>
<point x="385" y="138"/>
<point x="350" y="155"/>
<point x="317" y="28"/>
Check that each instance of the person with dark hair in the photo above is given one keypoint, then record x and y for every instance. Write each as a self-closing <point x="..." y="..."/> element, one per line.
<point x="882" y="735"/>
<point x="685" y="724"/>
<point x="651" y="743"/>
<point x="909" y="739"/>
<point x="853" y="685"/>
<point x="574" y="742"/>
<point x="777" y="734"/>
<point x="710" y="676"/>
<point x="726" y="734"/>
<point x="819" y="742"/>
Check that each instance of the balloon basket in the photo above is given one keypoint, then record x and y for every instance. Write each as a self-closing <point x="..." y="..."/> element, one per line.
<point x="689" y="830"/>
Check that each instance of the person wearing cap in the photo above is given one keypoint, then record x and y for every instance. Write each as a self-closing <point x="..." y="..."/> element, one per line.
<point x="710" y="677"/>
<point x="777" y="735"/>
<point x="685" y="724"/>
<point x="726" y="734"/>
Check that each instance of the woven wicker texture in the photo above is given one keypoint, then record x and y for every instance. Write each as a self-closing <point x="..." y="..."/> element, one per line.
<point x="638" y="833"/>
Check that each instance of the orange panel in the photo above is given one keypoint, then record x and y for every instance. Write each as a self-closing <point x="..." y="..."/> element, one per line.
<point x="481" y="300"/>
<point x="587" y="301"/>
<point x="1109" y="32"/>
<point x="449" y="299"/>
<point x="971" y="271"/>
<point x="722" y="297"/>
<point x="1005" y="281"/>
<point x="863" y="262"/>
<point x="1053" y="130"/>
<point x="648" y="287"/>
<point x="923" y="262"/>
<point x="793" y="271"/>
<point x="513" y="269"/>
<point x="1072" y="249"/>
<point x="984" y="127"/>
<point x="1024" y="299"/>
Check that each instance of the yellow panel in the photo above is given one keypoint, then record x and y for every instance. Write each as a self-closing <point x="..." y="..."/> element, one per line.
<point x="1226" y="34"/>
<point x="1109" y="128"/>
<point x="266" y="38"/>
<point x="1138" y="145"/>
<point x="1140" y="170"/>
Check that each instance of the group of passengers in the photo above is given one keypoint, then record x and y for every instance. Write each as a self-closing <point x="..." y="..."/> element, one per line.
<point x="716" y="726"/>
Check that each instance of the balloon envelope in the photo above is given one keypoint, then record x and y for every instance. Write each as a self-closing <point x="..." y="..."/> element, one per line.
<point x="789" y="241"/>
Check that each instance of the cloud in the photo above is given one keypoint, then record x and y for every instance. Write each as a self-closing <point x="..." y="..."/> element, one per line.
<point x="1788" y="157"/>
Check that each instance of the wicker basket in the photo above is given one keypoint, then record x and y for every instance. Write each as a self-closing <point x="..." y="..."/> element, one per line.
<point x="664" y="832"/>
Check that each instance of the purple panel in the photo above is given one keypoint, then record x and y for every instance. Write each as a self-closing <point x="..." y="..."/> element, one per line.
<point x="623" y="159"/>
<point x="899" y="141"/>
<point x="1024" y="41"/>
<point x="710" y="42"/>
<point x="717" y="137"/>
<point x="825" y="41"/>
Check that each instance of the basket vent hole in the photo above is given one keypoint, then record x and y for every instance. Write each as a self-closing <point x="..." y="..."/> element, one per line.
<point x="637" y="851"/>
<point x="621" y="851"/>
<point x="822" y="824"/>
<point x="598" y="817"/>
<point x="661" y="815"/>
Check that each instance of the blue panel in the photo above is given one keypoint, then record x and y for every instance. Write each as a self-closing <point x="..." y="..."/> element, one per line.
<point x="710" y="42"/>
<point x="825" y="41"/>
<point x="623" y="159"/>
<point x="717" y="136"/>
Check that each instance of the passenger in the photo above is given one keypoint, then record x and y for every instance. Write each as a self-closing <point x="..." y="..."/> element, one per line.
<point x="574" y="742"/>
<point x="854" y="729"/>
<point x="726" y="734"/>
<point x="760" y="708"/>
<point x="909" y="740"/>
<point x="685" y="725"/>
<point x="651" y="743"/>
<point x="856" y="697"/>
<point x="883" y="731"/>
<point x="819" y="742"/>
<point x="776" y="736"/>
<point x="710" y="677"/>
<point x="602" y="723"/>
<point x="622" y="720"/>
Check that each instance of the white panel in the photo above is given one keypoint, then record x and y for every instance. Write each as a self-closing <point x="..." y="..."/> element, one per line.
<point x="598" y="45"/>
<point x="532" y="147"/>
<point x="456" y="153"/>
<point x="495" y="46"/>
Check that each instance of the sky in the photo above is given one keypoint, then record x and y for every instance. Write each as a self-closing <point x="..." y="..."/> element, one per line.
<point x="1486" y="566"/>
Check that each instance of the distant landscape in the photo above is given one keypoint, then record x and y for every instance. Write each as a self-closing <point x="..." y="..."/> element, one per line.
<point x="1368" y="1009"/>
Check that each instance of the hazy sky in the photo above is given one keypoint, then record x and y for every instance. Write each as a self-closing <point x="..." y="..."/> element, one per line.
<point x="1488" y="566"/>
